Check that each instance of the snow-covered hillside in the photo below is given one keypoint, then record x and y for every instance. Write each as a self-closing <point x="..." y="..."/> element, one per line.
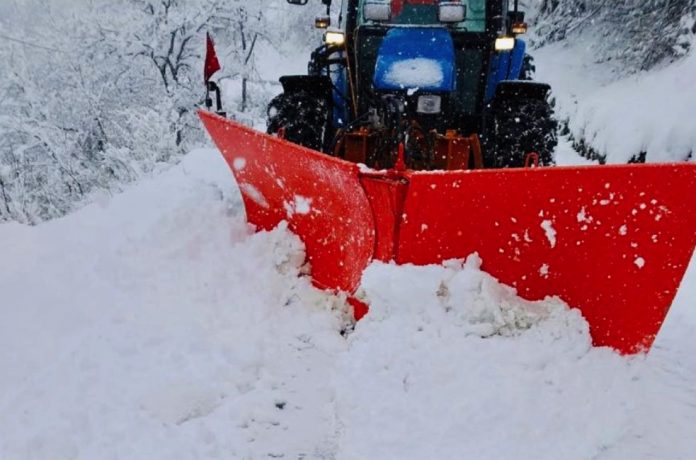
<point x="155" y="325"/>
<point x="646" y="116"/>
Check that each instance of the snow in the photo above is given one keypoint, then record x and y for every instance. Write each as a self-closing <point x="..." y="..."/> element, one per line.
<point x="157" y="325"/>
<point x="550" y="232"/>
<point x="415" y="73"/>
<point x="620" y="116"/>
<point x="299" y="205"/>
<point x="640" y="262"/>
<point x="239" y="164"/>
<point x="302" y="204"/>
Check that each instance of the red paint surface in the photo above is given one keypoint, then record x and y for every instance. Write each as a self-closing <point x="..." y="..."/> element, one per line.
<point x="273" y="174"/>
<point x="609" y="220"/>
<point x="624" y="234"/>
<point x="386" y="196"/>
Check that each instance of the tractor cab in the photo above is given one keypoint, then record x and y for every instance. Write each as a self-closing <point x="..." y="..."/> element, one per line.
<point x="428" y="75"/>
<point x="464" y="16"/>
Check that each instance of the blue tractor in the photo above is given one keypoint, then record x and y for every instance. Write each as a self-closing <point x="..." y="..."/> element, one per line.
<point x="426" y="84"/>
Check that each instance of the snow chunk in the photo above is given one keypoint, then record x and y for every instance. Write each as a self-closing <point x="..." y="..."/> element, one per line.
<point x="467" y="298"/>
<point x="412" y="73"/>
<point x="582" y="215"/>
<point x="300" y="205"/>
<point x="254" y="194"/>
<point x="547" y="225"/>
<point x="640" y="262"/>
<point x="239" y="163"/>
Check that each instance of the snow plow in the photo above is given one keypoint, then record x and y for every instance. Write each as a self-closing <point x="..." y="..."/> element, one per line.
<point x="399" y="146"/>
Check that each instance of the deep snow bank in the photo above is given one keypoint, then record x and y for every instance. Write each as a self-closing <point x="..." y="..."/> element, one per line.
<point x="155" y="325"/>
<point x="420" y="382"/>
<point x="621" y="117"/>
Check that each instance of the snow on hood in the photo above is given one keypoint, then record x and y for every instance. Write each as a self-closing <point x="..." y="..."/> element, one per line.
<point x="415" y="73"/>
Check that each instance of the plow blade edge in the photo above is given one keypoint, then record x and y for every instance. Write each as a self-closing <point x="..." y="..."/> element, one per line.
<point x="612" y="241"/>
<point x="320" y="197"/>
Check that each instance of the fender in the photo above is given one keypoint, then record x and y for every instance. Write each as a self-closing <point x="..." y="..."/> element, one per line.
<point x="318" y="85"/>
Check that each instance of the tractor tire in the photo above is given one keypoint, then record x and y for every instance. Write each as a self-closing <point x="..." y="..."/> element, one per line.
<point x="520" y="127"/>
<point x="302" y="116"/>
<point x="528" y="68"/>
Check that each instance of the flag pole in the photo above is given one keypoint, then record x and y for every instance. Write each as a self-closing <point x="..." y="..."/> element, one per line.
<point x="211" y="66"/>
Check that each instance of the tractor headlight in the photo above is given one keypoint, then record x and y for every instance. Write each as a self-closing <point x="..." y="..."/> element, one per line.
<point x="334" y="37"/>
<point x="322" y="22"/>
<point x="504" y="43"/>
<point x="519" y="28"/>
<point x="429" y="104"/>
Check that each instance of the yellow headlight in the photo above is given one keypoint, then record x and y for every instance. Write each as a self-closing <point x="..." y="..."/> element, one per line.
<point x="322" y="22"/>
<point x="519" y="28"/>
<point x="335" y="38"/>
<point x="504" y="43"/>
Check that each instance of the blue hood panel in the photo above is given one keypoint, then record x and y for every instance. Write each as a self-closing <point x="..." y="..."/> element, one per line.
<point x="413" y="57"/>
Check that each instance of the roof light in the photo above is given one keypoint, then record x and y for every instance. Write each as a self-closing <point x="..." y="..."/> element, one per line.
<point x="504" y="43"/>
<point x="451" y="12"/>
<point x="377" y="11"/>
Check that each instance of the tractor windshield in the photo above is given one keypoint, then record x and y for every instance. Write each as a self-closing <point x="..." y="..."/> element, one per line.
<point x="424" y="12"/>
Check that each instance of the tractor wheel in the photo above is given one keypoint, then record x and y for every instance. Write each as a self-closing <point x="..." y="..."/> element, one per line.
<point x="520" y="127"/>
<point x="303" y="117"/>
<point x="528" y="68"/>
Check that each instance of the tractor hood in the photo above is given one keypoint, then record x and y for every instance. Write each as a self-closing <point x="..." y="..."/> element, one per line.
<point x="416" y="58"/>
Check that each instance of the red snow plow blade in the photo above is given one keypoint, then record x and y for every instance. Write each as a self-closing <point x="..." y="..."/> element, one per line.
<point x="612" y="241"/>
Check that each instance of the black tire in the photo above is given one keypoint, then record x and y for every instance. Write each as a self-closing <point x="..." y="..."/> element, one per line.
<point x="528" y="68"/>
<point x="522" y="126"/>
<point x="303" y="116"/>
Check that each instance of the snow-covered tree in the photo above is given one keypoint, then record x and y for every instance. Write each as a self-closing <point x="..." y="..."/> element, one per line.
<point x="639" y="33"/>
<point x="96" y="93"/>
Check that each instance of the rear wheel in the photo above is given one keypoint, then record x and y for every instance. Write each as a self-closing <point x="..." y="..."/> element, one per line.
<point x="303" y="117"/>
<point x="520" y="127"/>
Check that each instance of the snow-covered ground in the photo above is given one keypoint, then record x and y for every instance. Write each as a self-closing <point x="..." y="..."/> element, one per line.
<point x="156" y="325"/>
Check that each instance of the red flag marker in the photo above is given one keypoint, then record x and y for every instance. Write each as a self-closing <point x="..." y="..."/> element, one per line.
<point x="212" y="64"/>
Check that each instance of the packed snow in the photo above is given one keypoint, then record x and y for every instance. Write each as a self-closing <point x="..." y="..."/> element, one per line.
<point x="156" y="325"/>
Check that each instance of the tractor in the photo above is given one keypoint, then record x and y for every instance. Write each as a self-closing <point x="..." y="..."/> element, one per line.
<point x="411" y="140"/>
<point x="446" y="83"/>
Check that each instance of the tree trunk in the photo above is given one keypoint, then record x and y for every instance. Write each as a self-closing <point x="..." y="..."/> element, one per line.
<point x="244" y="94"/>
